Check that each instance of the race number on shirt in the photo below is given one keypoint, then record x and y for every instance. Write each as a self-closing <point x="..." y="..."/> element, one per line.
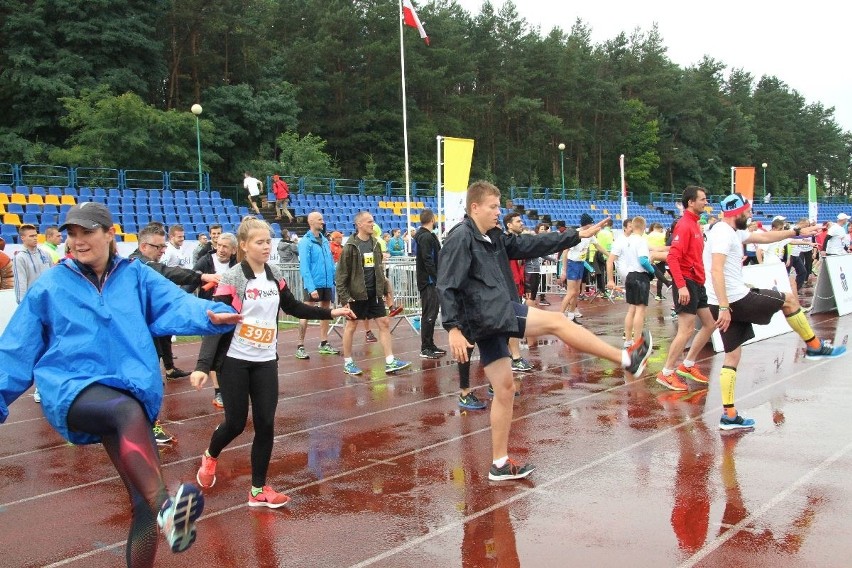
<point x="369" y="261"/>
<point x="256" y="333"/>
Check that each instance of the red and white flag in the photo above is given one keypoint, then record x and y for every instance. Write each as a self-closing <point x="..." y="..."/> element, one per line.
<point x="409" y="17"/>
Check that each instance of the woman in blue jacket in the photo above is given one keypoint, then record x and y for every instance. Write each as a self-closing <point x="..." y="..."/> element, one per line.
<point x="82" y="334"/>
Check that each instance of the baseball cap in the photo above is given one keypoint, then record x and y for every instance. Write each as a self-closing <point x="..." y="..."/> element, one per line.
<point x="89" y="215"/>
<point x="842" y="216"/>
<point x="733" y="205"/>
<point x="586" y="219"/>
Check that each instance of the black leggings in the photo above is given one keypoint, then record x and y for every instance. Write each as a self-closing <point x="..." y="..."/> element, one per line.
<point x="660" y="273"/>
<point x="126" y="435"/>
<point x="240" y="382"/>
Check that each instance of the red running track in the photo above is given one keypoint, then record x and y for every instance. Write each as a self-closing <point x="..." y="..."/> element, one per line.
<point x="387" y="471"/>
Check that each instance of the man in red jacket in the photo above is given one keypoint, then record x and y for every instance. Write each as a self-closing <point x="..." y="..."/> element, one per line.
<point x="282" y="197"/>
<point x="687" y="268"/>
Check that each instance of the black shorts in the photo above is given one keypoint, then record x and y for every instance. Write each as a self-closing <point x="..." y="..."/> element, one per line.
<point x="637" y="288"/>
<point x="495" y="347"/>
<point x="371" y="308"/>
<point x="758" y="306"/>
<point x="697" y="298"/>
<point x="325" y="295"/>
<point x="531" y="284"/>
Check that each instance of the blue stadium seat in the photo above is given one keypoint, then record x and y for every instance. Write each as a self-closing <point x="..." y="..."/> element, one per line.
<point x="50" y="209"/>
<point x="7" y="189"/>
<point x="54" y="190"/>
<point x="16" y="208"/>
<point x="156" y="211"/>
<point x="63" y="209"/>
<point x="22" y="189"/>
<point x="114" y="192"/>
<point x="30" y="218"/>
<point x="50" y="218"/>
<point x="143" y="219"/>
<point x="98" y="192"/>
<point x="84" y="192"/>
<point x="38" y="190"/>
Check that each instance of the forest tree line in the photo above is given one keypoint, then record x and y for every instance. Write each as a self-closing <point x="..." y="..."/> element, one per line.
<point x="310" y="88"/>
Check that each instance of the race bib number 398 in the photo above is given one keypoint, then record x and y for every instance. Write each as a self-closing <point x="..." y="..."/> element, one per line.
<point x="256" y="333"/>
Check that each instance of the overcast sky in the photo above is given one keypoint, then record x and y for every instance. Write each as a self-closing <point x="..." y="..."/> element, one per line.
<point x="804" y="44"/>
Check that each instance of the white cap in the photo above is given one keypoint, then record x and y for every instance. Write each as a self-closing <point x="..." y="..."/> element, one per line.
<point x="842" y="216"/>
<point x="779" y="218"/>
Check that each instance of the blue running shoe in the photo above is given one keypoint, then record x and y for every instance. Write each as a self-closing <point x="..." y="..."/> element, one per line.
<point x="825" y="351"/>
<point x="735" y="423"/>
<point x="178" y="515"/>
<point x="396" y="365"/>
<point x="351" y="368"/>
<point x="471" y="402"/>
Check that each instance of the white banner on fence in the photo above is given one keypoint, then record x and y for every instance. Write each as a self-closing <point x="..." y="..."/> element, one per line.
<point x="834" y="288"/>
<point x="766" y="276"/>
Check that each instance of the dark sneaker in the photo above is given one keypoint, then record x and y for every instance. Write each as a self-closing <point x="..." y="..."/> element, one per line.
<point x="176" y="373"/>
<point x="301" y="353"/>
<point x="438" y="351"/>
<point x="161" y="436"/>
<point x="471" y="402"/>
<point x="543" y="302"/>
<point x="521" y="365"/>
<point x="217" y="401"/>
<point x="429" y="354"/>
<point x="825" y="351"/>
<point x="396" y="365"/>
<point x="370" y="337"/>
<point x="395" y="311"/>
<point x="510" y="470"/>
<point x="735" y="423"/>
<point x="639" y="353"/>
<point x="178" y="514"/>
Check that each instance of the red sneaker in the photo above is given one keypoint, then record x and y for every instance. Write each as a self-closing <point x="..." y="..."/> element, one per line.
<point x="671" y="382"/>
<point x="206" y="475"/>
<point x="268" y="498"/>
<point x="693" y="373"/>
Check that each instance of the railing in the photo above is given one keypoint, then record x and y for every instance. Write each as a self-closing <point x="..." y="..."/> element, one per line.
<point x="96" y="177"/>
<point x="8" y="174"/>
<point x="144" y="179"/>
<point x="187" y="180"/>
<point x="567" y="194"/>
<point x="43" y="174"/>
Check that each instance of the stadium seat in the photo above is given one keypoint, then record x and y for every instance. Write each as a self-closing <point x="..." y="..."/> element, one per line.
<point x="68" y="200"/>
<point x="52" y="199"/>
<point x="11" y="219"/>
<point x="37" y="190"/>
<point x="15" y="208"/>
<point x="18" y="198"/>
<point x="31" y="219"/>
<point x="54" y="190"/>
<point x="4" y="198"/>
<point x="22" y="189"/>
<point x="6" y="189"/>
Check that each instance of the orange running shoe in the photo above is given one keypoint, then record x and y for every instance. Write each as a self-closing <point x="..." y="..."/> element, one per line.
<point x="268" y="498"/>
<point x="691" y="373"/>
<point x="206" y="475"/>
<point x="671" y="382"/>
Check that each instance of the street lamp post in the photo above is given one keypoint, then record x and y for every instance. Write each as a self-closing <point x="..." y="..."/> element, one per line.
<point x="763" y="165"/>
<point x="196" y="110"/>
<point x="562" y="165"/>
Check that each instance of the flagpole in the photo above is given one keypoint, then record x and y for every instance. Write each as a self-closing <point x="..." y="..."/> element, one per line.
<point x="405" y="133"/>
<point x="439" y="189"/>
<point x="623" y="189"/>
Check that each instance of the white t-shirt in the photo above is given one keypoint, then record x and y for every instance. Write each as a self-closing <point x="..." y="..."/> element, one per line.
<point x="836" y="239"/>
<point x="175" y="257"/>
<point x="723" y="239"/>
<point x="637" y="247"/>
<point x="218" y="266"/>
<point x="252" y="185"/>
<point x="619" y="245"/>
<point x="773" y="252"/>
<point x="578" y="251"/>
<point x="256" y="337"/>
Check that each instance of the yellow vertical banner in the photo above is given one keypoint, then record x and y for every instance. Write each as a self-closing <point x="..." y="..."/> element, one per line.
<point x="744" y="181"/>
<point x="458" y="156"/>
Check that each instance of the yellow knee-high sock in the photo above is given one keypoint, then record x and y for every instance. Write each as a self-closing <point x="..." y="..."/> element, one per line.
<point x="728" y="382"/>
<point x="800" y="324"/>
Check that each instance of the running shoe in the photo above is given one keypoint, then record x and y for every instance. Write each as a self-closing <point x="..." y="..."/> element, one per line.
<point x="521" y="365"/>
<point x="693" y="373"/>
<point x="510" y="470"/>
<point x="178" y="514"/>
<point x="217" y="401"/>
<point x="36" y="396"/>
<point x="577" y="314"/>
<point x="735" y="423"/>
<point x="175" y="373"/>
<point x="671" y="382"/>
<point x="396" y="365"/>
<point x="268" y="498"/>
<point x="428" y="354"/>
<point x="327" y="349"/>
<point x="438" y="351"/>
<point x="658" y="298"/>
<point x="395" y="311"/>
<point x="206" y="476"/>
<point x="370" y="337"/>
<point x="161" y="436"/>
<point x="543" y="302"/>
<point x="826" y="351"/>
<point x="471" y="402"/>
<point x="351" y="368"/>
<point x="639" y="353"/>
<point x="301" y="353"/>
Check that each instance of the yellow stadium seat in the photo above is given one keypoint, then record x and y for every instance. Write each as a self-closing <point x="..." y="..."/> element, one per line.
<point x="11" y="219"/>
<point x="593" y="206"/>
<point x="383" y="204"/>
<point x="51" y="200"/>
<point x="68" y="200"/>
<point x="117" y="229"/>
<point x="4" y="199"/>
<point x="18" y="198"/>
<point x="35" y="199"/>
<point x="131" y="238"/>
<point x="2" y="209"/>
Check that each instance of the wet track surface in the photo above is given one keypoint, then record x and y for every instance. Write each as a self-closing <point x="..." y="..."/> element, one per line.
<point x="389" y="471"/>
